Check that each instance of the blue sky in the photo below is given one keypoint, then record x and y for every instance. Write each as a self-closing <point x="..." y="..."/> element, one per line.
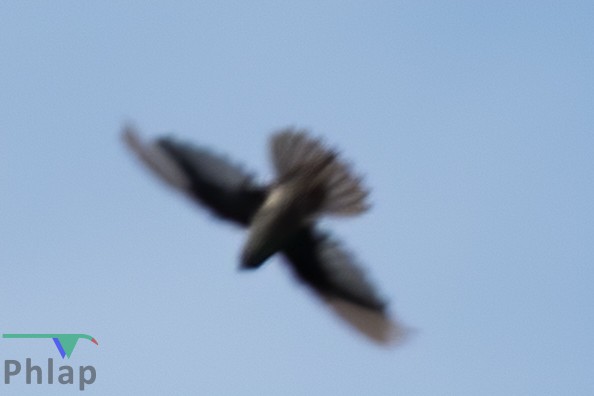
<point x="471" y="121"/>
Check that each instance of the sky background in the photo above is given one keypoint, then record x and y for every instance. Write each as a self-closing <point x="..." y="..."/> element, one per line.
<point x="471" y="121"/>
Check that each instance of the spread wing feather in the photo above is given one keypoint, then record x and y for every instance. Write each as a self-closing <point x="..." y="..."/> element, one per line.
<point x="212" y="180"/>
<point x="324" y="265"/>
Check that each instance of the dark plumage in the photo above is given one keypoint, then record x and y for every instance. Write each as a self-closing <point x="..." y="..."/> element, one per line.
<point x="311" y="181"/>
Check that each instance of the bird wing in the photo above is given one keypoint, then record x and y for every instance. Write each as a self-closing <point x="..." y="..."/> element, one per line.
<point x="324" y="265"/>
<point x="212" y="180"/>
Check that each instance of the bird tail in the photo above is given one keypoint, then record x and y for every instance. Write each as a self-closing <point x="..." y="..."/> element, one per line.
<point x="295" y="154"/>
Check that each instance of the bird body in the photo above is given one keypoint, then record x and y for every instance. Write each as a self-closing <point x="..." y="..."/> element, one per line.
<point x="274" y="225"/>
<point x="311" y="181"/>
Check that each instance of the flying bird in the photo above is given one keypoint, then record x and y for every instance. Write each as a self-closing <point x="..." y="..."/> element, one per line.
<point x="311" y="181"/>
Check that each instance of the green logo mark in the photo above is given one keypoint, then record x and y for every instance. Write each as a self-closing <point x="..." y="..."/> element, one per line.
<point x="64" y="342"/>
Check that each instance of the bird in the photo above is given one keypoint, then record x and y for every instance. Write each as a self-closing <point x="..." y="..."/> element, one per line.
<point x="281" y="217"/>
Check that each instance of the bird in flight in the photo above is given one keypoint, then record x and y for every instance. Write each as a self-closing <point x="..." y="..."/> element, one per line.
<point x="311" y="181"/>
